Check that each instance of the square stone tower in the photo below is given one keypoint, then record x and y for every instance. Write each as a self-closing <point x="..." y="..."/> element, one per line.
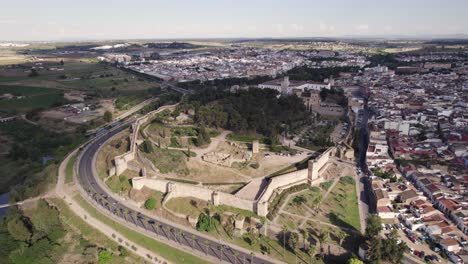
<point x="255" y="146"/>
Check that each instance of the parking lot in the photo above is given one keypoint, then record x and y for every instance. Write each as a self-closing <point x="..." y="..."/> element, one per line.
<point x="412" y="239"/>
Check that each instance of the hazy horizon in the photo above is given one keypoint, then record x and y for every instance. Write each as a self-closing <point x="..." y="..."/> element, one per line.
<point x="86" y="20"/>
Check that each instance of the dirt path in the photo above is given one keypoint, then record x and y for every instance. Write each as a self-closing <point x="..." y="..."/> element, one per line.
<point x="65" y="192"/>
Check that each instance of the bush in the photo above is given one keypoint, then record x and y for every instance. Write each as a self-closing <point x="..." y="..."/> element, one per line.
<point x="347" y="180"/>
<point x="205" y="223"/>
<point x="255" y="165"/>
<point x="279" y="199"/>
<point x="326" y="185"/>
<point x="104" y="257"/>
<point x="107" y="116"/>
<point x="123" y="251"/>
<point x="150" y="204"/>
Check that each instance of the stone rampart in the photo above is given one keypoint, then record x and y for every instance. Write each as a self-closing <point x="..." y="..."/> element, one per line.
<point x="121" y="161"/>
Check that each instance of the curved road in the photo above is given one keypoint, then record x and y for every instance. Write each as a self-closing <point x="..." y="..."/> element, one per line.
<point x="162" y="228"/>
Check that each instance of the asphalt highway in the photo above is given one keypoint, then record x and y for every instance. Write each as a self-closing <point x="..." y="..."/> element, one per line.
<point x="162" y="228"/>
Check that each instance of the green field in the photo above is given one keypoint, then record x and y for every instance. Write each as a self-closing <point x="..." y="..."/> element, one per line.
<point x="341" y="205"/>
<point x="34" y="97"/>
<point x="172" y="254"/>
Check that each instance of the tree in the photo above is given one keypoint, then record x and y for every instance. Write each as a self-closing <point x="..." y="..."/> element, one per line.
<point x="355" y="260"/>
<point x="311" y="251"/>
<point x="285" y="231"/>
<point x="305" y="236"/>
<point x="204" y="223"/>
<point x="374" y="253"/>
<point x="150" y="204"/>
<point x="107" y="116"/>
<point x="373" y="226"/>
<point x="292" y="240"/>
<point x="298" y="200"/>
<point x="147" y="146"/>
<point x="323" y="237"/>
<point x="341" y="237"/>
<point x="33" y="73"/>
<point x="123" y="251"/>
<point x="104" y="257"/>
<point x="18" y="229"/>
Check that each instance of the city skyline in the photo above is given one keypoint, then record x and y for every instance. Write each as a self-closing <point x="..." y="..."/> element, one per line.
<point x="66" y="20"/>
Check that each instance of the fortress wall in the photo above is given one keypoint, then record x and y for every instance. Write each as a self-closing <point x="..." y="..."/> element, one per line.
<point x="234" y="201"/>
<point x="154" y="184"/>
<point x="122" y="160"/>
<point x="188" y="190"/>
<point x="283" y="180"/>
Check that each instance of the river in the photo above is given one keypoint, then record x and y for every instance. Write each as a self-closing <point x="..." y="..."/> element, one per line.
<point x="4" y="197"/>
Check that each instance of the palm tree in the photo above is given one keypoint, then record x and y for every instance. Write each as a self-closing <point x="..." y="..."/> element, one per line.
<point x="341" y="236"/>
<point x="221" y="249"/>
<point x="207" y="243"/>
<point x="285" y="230"/>
<point x="323" y="237"/>
<point x="236" y="254"/>
<point x="305" y="236"/>
<point x="311" y="251"/>
<point x="193" y="238"/>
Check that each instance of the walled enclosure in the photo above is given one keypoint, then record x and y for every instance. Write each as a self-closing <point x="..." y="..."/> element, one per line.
<point x="275" y="186"/>
<point x="260" y="206"/>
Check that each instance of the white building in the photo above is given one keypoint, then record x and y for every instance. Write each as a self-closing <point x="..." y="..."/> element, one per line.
<point x="285" y="86"/>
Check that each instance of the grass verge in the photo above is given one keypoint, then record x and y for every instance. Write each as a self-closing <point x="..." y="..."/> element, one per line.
<point x="69" y="168"/>
<point x="163" y="250"/>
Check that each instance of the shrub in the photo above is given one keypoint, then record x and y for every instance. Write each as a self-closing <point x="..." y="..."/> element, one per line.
<point x="205" y="223"/>
<point x="150" y="204"/>
<point x="255" y="165"/>
<point x="104" y="257"/>
<point x="347" y="180"/>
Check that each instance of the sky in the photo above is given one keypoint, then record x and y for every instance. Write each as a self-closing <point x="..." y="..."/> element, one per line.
<point x="23" y="20"/>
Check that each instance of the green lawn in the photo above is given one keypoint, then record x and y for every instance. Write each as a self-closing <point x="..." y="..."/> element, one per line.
<point x="172" y="254"/>
<point x="69" y="168"/>
<point x="49" y="98"/>
<point x="341" y="205"/>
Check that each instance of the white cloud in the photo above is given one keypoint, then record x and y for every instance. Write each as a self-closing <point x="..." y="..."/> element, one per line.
<point x="280" y="28"/>
<point x="297" y="27"/>
<point x="388" y="28"/>
<point x="325" y="28"/>
<point x="362" y="27"/>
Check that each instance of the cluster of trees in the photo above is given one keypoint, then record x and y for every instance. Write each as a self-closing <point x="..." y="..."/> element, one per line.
<point x="223" y="83"/>
<point x="304" y="73"/>
<point x="206" y="222"/>
<point x="254" y="111"/>
<point x="147" y="146"/>
<point x="334" y="95"/>
<point x="34" y="239"/>
<point x="391" y="249"/>
<point x="202" y="137"/>
<point x="32" y="145"/>
<point x="384" y="175"/>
